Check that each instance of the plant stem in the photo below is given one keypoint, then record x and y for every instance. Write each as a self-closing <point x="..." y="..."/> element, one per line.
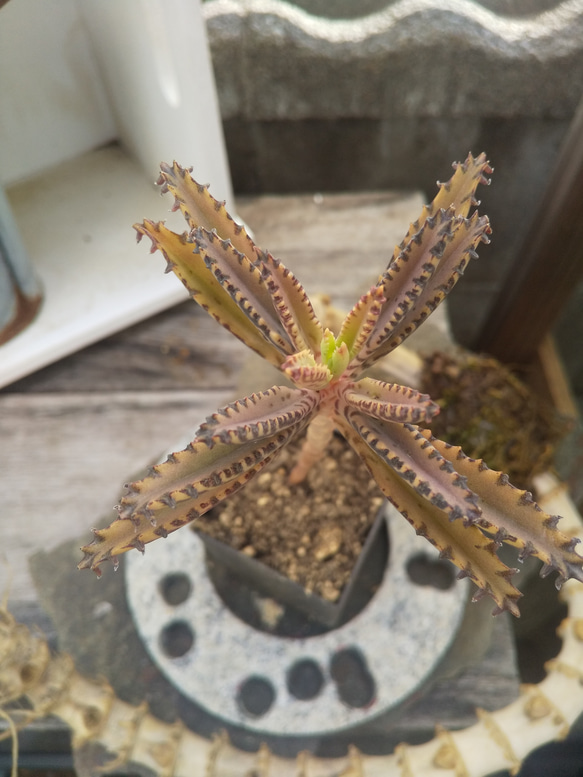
<point x="318" y="436"/>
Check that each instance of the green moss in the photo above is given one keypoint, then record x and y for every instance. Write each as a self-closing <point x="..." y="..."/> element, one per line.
<point x="487" y="410"/>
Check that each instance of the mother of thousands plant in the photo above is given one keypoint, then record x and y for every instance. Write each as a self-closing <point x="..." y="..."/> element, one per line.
<point x="463" y="508"/>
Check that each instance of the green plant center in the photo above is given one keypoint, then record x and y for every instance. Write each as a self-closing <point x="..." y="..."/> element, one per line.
<point x="335" y="354"/>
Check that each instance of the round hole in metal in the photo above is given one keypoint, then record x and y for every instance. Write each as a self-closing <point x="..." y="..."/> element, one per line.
<point x="355" y="684"/>
<point x="399" y="615"/>
<point x="255" y="696"/>
<point x="305" y="679"/>
<point x="176" y="639"/>
<point x="175" y="588"/>
<point x="438" y="573"/>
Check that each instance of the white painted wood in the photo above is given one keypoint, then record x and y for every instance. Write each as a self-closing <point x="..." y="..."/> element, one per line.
<point x="52" y="102"/>
<point x="77" y="74"/>
<point x="155" y="62"/>
<point x="76" y="220"/>
<point x="76" y="226"/>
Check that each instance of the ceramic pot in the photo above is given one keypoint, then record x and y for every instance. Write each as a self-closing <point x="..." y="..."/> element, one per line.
<point x="20" y="294"/>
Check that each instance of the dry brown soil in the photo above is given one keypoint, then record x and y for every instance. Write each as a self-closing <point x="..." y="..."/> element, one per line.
<point x="312" y="532"/>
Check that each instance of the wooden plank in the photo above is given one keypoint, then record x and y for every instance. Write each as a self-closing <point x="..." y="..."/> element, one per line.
<point x="71" y="434"/>
<point x="64" y="458"/>
<point x="548" y="266"/>
<point x="337" y="244"/>
<point x="554" y="379"/>
<point x="178" y="350"/>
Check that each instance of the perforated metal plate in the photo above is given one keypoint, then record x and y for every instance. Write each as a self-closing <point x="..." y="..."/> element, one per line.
<point x="285" y="686"/>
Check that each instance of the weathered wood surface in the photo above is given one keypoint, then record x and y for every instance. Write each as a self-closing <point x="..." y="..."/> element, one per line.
<point x="72" y="433"/>
<point x="337" y="245"/>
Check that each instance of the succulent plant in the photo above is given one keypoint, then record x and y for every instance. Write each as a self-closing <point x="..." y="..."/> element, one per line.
<point x="463" y="508"/>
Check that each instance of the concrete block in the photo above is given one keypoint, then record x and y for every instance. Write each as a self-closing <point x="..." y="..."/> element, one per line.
<point x="275" y="60"/>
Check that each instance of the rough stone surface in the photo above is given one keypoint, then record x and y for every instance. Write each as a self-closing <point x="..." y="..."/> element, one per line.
<point x="408" y="154"/>
<point x="274" y="60"/>
<point x="320" y="96"/>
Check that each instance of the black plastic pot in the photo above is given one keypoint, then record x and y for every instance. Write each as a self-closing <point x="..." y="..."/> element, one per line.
<point x="227" y="566"/>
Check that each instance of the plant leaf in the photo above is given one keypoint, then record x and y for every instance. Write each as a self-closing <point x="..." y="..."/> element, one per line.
<point x="262" y="286"/>
<point x="361" y="320"/>
<point x="420" y="277"/>
<point x="518" y="520"/>
<point x="231" y="447"/>
<point x="190" y="267"/>
<point x="201" y="209"/>
<point x="244" y="283"/>
<point x="259" y="415"/>
<point x="457" y="193"/>
<point x="186" y="485"/>
<point x="463" y="545"/>
<point x="302" y="369"/>
<point x="404" y="280"/>
<point x="460" y="189"/>
<point x="391" y="402"/>
<point x="292" y="304"/>
<point x="416" y="461"/>
<point x="458" y="249"/>
<point x="427" y="264"/>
